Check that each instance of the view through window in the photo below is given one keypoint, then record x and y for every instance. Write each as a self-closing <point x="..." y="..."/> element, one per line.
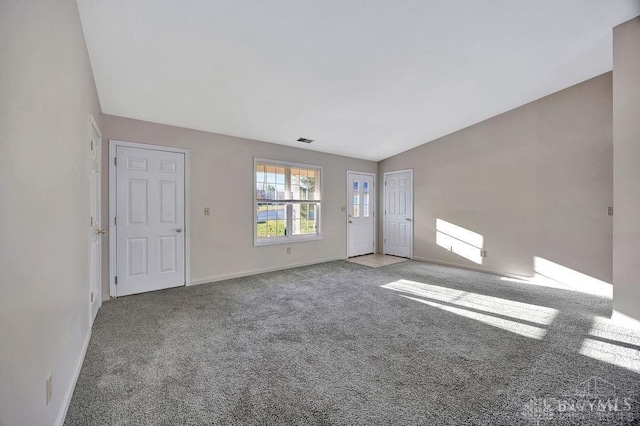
<point x="287" y="201"/>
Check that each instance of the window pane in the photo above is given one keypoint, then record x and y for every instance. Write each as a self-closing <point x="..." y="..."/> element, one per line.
<point x="365" y="186"/>
<point x="270" y="182"/>
<point x="303" y="184"/>
<point x="271" y="220"/>
<point x="260" y="182"/>
<point x="304" y="218"/>
<point x="356" y="198"/>
<point x="365" y="203"/>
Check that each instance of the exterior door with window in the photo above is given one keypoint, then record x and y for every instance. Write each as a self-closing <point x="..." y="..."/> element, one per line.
<point x="398" y="213"/>
<point x="150" y="219"/>
<point x="361" y="222"/>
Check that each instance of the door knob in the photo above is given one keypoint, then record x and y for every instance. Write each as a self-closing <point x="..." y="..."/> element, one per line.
<point x="350" y="221"/>
<point x="179" y="230"/>
<point x="408" y="220"/>
<point x="101" y="231"/>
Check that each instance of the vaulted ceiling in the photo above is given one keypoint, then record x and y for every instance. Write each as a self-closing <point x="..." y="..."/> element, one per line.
<point x="363" y="78"/>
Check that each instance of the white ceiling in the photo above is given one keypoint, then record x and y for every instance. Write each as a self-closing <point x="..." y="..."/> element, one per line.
<point x="364" y="78"/>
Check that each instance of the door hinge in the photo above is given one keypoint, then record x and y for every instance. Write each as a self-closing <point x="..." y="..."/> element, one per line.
<point x="385" y="241"/>
<point x="116" y="280"/>
<point x="385" y="183"/>
<point x="115" y="220"/>
<point x="91" y="145"/>
<point x="115" y="161"/>
<point x="91" y="220"/>
<point x="92" y="296"/>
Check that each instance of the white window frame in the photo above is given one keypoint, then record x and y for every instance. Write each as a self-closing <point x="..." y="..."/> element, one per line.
<point x="287" y="239"/>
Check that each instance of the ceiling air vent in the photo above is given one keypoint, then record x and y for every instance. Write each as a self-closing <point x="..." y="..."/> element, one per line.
<point x="305" y="140"/>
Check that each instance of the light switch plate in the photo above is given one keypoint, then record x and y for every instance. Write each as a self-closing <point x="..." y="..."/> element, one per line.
<point x="207" y="211"/>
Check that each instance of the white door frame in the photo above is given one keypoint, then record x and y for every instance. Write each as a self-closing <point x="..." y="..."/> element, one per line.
<point x="384" y="216"/>
<point x="373" y="209"/>
<point x="113" y="146"/>
<point x="93" y="128"/>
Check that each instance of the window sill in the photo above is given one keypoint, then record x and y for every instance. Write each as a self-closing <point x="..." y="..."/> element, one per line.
<point x="285" y="240"/>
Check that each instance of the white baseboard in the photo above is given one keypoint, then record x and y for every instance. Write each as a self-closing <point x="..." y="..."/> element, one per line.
<point x="259" y="271"/>
<point x="67" y="396"/>
<point x="473" y="268"/>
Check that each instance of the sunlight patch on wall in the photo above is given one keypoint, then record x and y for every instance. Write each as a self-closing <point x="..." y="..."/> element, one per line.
<point x="610" y="343"/>
<point x="459" y="240"/>
<point x="554" y="275"/>
<point x="485" y="309"/>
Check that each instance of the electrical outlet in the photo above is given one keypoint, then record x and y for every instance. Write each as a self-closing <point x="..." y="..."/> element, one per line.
<point x="49" y="388"/>
<point x="207" y="211"/>
<point x="288" y="250"/>
<point x="343" y="209"/>
<point x="610" y="211"/>
<point x="483" y="253"/>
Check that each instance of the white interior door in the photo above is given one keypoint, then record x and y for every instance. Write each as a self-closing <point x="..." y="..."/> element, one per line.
<point x="150" y="219"/>
<point x="95" y="231"/>
<point x="360" y="214"/>
<point x="398" y="214"/>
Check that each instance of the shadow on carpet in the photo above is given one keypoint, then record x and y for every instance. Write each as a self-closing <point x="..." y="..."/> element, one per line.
<point x="340" y="343"/>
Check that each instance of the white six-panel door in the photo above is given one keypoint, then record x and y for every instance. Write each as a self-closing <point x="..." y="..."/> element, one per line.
<point x="150" y="220"/>
<point x="398" y="213"/>
<point x="95" y="230"/>
<point x="361" y="221"/>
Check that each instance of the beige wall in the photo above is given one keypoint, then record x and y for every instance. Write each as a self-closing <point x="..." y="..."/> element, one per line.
<point x="47" y="92"/>
<point x="221" y="177"/>
<point x="626" y="161"/>
<point x="535" y="181"/>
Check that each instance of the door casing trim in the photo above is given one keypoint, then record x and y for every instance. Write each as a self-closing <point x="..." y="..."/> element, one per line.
<point x="113" y="146"/>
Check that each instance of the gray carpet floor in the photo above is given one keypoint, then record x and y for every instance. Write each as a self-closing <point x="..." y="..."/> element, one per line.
<point x="329" y="344"/>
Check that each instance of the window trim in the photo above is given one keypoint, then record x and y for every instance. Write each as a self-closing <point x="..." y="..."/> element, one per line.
<point x="287" y="239"/>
